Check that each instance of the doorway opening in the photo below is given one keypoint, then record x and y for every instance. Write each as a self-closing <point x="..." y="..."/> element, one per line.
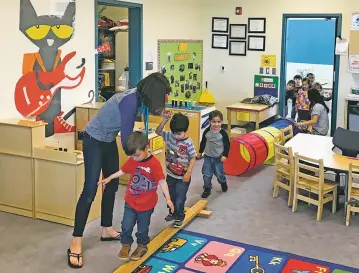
<point x="118" y="40"/>
<point x="308" y="49"/>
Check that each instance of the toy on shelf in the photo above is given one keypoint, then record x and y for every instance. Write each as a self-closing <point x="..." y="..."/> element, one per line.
<point x="251" y="150"/>
<point x="206" y="97"/>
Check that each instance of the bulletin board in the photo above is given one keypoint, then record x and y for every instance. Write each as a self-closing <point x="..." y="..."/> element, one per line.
<point x="181" y="61"/>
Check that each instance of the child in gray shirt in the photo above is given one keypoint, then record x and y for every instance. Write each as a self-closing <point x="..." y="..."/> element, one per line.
<point x="215" y="147"/>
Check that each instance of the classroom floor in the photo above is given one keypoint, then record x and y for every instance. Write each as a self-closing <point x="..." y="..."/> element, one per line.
<point x="246" y="213"/>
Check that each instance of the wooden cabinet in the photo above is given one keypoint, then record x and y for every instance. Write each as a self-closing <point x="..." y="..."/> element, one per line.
<point x="19" y="138"/>
<point x="39" y="181"/>
<point x="59" y="180"/>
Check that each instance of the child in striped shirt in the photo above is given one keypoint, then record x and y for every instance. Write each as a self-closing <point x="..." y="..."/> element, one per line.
<point x="180" y="159"/>
<point x="303" y="102"/>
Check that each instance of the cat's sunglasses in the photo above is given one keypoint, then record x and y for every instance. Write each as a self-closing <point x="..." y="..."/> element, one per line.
<point x="39" y="32"/>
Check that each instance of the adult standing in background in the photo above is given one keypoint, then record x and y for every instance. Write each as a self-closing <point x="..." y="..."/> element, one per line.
<point x="118" y="114"/>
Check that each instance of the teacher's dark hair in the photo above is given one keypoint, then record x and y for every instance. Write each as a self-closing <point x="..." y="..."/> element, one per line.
<point x="315" y="97"/>
<point x="153" y="90"/>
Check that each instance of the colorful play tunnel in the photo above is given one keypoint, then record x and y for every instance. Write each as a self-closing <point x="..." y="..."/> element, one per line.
<point x="250" y="150"/>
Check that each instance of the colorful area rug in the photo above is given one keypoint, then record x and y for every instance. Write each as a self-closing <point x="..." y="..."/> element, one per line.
<point x="189" y="252"/>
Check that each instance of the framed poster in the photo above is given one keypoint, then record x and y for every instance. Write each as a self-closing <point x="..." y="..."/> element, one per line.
<point x="238" y="31"/>
<point x="181" y="61"/>
<point x="256" y="25"/>
<point x="220" y="24"/>
<point x="238" y="48"/>
<point x="257" y="43"/>
<point x="220" y="41"/>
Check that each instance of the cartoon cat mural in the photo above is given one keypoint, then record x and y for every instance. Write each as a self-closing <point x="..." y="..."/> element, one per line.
<point x="38" y="91"/>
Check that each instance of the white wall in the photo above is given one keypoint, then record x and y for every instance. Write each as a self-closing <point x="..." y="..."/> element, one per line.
<point x="15" y="44"/>
<point x="161" y="20"/>
<point x="237" y="82"/>
<point x="169" y="19"/>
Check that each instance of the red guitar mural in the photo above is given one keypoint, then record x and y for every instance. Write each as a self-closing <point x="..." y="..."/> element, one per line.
<point x="35" y="90"/>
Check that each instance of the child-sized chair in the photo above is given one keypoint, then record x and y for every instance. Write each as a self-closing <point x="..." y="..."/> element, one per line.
<point x="287" y="133"/>
<point x="306" y="181"/>
<point x="284" y="171"/>
<point x="353" y="191"/>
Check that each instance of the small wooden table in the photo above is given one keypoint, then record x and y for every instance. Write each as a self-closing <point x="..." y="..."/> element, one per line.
<point x="250" y="112"/>
<point x="320" y="147"/>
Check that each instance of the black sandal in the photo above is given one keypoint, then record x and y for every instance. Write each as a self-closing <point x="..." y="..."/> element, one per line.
<point x="77" y="256"/>
<point x="107" y="239"/>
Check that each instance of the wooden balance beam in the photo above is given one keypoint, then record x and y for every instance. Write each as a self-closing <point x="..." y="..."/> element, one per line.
<point x="202" y="213"/>
<point x="162" y="238"/>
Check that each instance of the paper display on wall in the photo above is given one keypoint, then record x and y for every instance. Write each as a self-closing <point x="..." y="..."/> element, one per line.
<point x="220" y="41"/>
<point x="268" y="60"/>
<point x="355" y="21"/>
<point x="354" y="64"/>
<point x="265" y="85"/>
<point x="238" y="48"/>
<point x="341" y="46"/>
<point x="181" y="61"/>
<point x="256" y="43"/>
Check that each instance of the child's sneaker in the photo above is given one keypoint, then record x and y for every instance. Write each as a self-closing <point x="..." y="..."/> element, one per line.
<point x="124" y="252"/>
<point x="178" y="223"/>
<point x="206" y="193"/>
<point x="224" y="186"/>
<point x="169" y="217"/>
<point x="140" y="251"/>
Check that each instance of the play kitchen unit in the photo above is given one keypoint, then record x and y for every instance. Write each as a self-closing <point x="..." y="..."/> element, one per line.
<point x="39" y="181"/>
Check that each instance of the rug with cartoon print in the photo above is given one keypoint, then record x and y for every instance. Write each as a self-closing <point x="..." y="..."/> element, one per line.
<point x="189" y="252"/>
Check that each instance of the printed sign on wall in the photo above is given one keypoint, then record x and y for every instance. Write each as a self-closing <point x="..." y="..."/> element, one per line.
<point x="268" y="60"/>
<point x="265" y="85"/>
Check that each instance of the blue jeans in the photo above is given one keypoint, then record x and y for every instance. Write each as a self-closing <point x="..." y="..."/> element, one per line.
<point x="97" y="155"/>
<point x="212" y="166"/>
<point x="178" y="192"/>
<point x="130" y="218"/>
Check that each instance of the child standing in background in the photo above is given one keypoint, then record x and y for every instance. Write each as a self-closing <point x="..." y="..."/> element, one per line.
<point x="215" y="146"/>
<point x="141" y="194"/>
<point x="297" y="87"/>
<point x="289" y="94"/>
<point x="180" y="159"/>
<point x="303" y="103"/>
<point x="311" y="78"/>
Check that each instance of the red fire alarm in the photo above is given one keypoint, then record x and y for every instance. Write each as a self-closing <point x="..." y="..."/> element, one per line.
<point x="238" y="10"/>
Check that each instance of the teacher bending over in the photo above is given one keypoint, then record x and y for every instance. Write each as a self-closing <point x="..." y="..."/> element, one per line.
<point x="118" y="114"/>
<point x="319" y="122"/>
